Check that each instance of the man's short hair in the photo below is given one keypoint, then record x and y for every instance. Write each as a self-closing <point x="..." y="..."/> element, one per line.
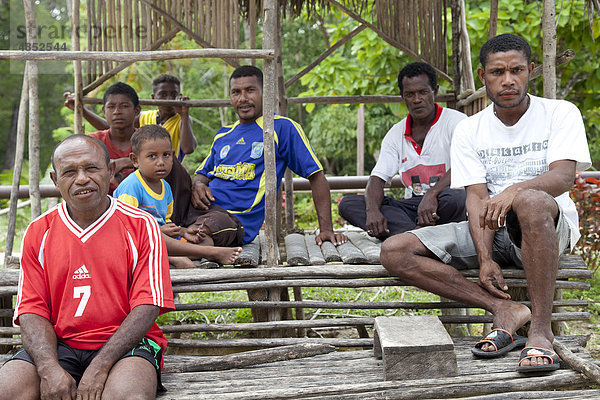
<point x="416" y="69"/>
<point x="122" y="88"/>
<point x="503" y="43"/>
<point x="247" y="70"/>
<point x="165" y="78"/>
<point x="91" y="139"/>
<point x="147" y="132"/>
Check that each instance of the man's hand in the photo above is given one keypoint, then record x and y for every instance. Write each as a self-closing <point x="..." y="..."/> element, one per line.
<point x="376" y="224"/>
<point x="181" y="109"/>
<point x="171" y="230"/>
<point x="92" y="383"/>
<point x="494" y="210"/>
<point x="201" y="194"/>
<point x="328" y="236"/>
<point x="69" y="100"/>
<point x="56" y="383"/>
<point x="427" y="209"/>
<point x="488" y="273"/>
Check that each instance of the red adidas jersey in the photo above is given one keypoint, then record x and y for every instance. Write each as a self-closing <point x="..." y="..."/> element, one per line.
<point x="86" y="281"/>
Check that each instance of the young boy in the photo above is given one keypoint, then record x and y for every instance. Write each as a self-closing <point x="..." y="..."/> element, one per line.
<point x="146" y="189"/>
<point x="121" y="107"/>
<point x="176" y="120"/>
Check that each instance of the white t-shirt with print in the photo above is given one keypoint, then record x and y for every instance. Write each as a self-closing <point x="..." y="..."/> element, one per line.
<point x="399" y="155"/>
<point x="484" y="150"/>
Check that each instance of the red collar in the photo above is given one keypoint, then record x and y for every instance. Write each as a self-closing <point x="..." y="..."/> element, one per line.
<point x="408" y="130"/>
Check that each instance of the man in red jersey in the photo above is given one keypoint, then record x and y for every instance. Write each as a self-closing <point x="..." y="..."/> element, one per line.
<point x="94" y="277"/>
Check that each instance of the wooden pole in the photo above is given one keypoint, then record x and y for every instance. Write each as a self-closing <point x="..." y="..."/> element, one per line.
<point x="587" y="368"/>
<point x="549" y="48"/>
<point x="78" y="79"/>
<point x="456" y="75"/>
<point x="465" y="50"/>
<point x="255" y="357"/>
<point x="34" y="115"/>
<point x="17" y="168"/>
<point x="493" y="18"/>
<point x="269" y="95"/>
<point x="133" y="56"/>
<point x="360" y="140"/>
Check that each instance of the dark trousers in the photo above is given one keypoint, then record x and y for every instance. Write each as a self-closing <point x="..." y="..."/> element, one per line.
<point x="401" y="215"/>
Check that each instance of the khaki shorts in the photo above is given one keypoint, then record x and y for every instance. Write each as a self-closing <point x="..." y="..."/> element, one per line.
<point x="453" y="245"/>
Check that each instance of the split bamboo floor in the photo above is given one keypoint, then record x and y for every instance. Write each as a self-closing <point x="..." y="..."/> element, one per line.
<point x="355" y="375"/>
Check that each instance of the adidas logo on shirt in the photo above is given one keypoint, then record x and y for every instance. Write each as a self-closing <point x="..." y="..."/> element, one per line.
<point x="81" y="273"/>
<point x="241" y="141"/>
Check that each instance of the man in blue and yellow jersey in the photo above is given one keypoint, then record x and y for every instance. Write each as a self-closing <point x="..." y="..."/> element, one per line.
<point x="232" y="177"/>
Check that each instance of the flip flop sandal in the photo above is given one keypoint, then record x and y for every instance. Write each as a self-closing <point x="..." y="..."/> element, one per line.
<point x="531" y="352"/>
<point x="502" y="341"/>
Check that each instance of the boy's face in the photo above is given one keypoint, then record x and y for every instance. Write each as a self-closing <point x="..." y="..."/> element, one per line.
<point x="155" y="159"/>
<point x="120" y="112"/>
<point x="166" y="91"/>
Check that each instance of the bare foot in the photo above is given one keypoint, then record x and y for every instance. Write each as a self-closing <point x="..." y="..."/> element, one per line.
<point x="223" y="255"/>
<point x="181" y="263"/>
<point x="510" y="316"/>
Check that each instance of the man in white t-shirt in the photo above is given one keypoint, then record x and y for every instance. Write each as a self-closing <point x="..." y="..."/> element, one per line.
<point x="417" y="148"/>
<point x="517" y="161"/>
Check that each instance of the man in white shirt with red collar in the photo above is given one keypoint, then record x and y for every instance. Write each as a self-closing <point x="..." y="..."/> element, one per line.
<point x="417" y="148"/>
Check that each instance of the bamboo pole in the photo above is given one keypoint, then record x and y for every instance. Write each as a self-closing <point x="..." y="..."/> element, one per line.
<point x="17" y="168"/>
<point x="549" y="48"/>
<point x="133" y="55"/>
<point x="34" y="115"/>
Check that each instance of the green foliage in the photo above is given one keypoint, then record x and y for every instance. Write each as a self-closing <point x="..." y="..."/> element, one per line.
<point x="306" y="214"/>
<point x="579" y="80"/>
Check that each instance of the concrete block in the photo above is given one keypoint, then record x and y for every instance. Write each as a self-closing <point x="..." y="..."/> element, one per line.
<point x="414" y="347"/>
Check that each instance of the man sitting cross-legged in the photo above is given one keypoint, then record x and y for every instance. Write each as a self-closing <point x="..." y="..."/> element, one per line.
<point x="94" y="277"/>
<point x="517" y="160"/>
<point x="417" y="148"/>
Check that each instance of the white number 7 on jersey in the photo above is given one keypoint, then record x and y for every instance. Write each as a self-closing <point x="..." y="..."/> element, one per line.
<point x="84" y="293"/>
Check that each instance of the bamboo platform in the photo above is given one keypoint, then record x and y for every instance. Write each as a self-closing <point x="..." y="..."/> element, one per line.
<point x="359" y="375"/>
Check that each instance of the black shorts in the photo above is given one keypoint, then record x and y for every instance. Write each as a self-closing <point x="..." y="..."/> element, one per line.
<point x="75" y="361"/>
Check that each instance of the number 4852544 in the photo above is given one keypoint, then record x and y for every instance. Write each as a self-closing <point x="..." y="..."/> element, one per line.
<point x="58" y="46"/>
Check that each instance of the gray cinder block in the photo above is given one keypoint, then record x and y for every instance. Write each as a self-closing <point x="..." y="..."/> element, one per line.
<point x="414" y="347"/>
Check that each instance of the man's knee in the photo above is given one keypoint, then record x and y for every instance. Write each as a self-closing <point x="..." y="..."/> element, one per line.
<point x="398" y="253"/>
<point x="536" y="210"/>
<point x="349" y="204"/>
<point x="131" y="378"/>
<point x="19" y="380"/>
